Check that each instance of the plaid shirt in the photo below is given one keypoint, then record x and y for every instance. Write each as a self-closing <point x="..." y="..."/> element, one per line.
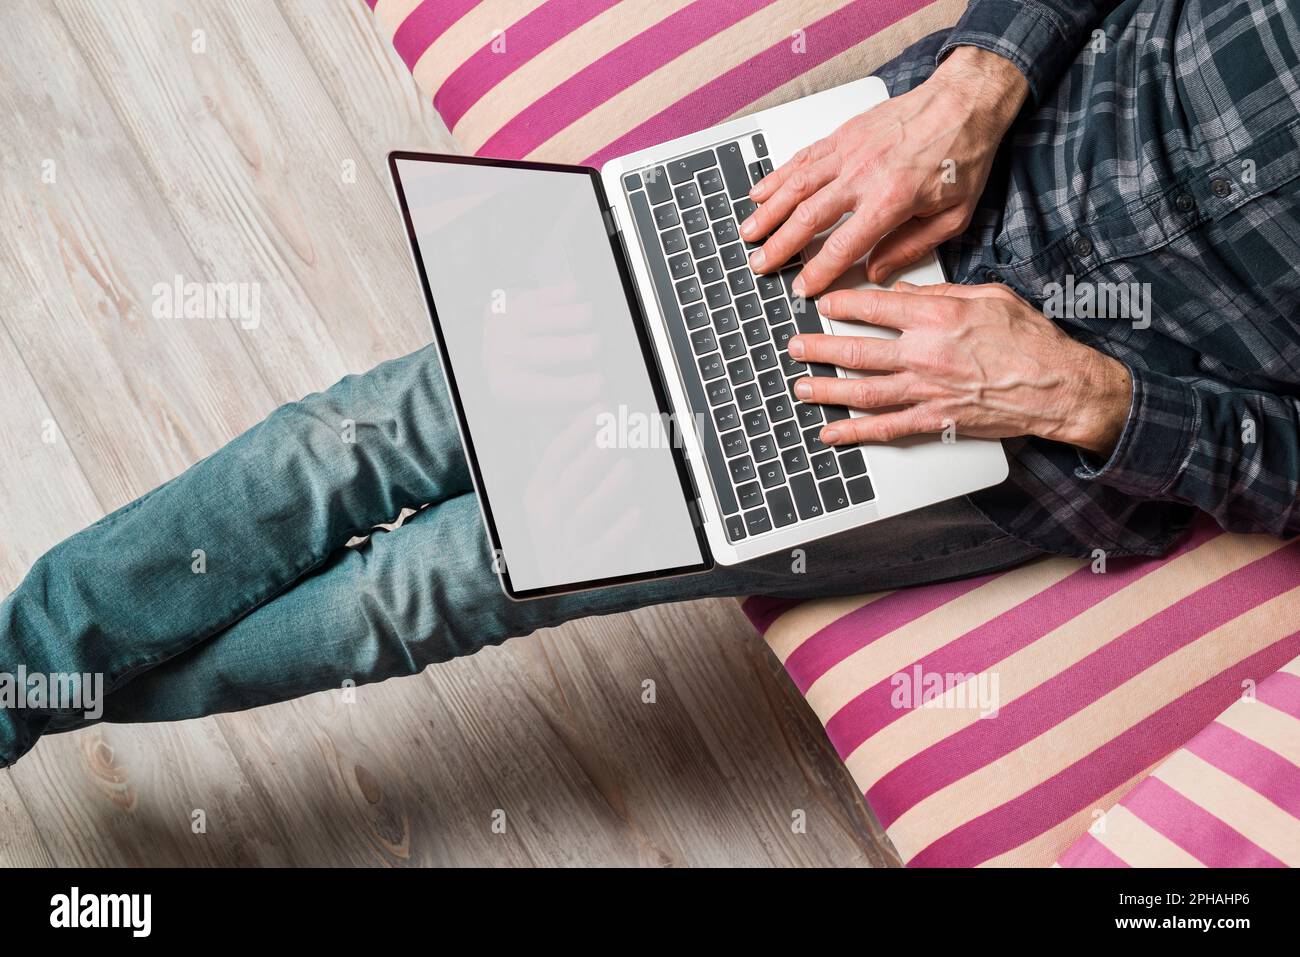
<point x="1161" y="147"/>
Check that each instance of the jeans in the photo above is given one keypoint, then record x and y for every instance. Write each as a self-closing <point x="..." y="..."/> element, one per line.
<point x="233" y="585"/>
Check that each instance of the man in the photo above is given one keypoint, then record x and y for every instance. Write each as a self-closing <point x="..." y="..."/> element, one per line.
<point x="1061" y="152"/>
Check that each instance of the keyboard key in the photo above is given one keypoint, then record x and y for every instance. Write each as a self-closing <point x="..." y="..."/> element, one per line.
<point x="755" y="422"/>
<point x="740" y="372"/>
<point x="687" y="196"/>
<point x="757" y="521"/>
<point x="702" y="341"/>
<point x="756" y="333"/>
<point x="666" y="215"/>
<point x="851" y="464"/>
<point x="805" y="496"/>
<point x="711" y="367"/>
<point x="771" y="474"/>
<point x="764" y="448"/>
<point x="680" y="266"/>
<point x="834" y="413"/>
<point x="760" y="145"/>
<point x="717" y="295"/>
<point x="780" y="408"/>
<point x="656" y="186"/>
<point x="787" y="434"/>
<point x="724" y="320"/>
<point x="674" y="241"/>
<point x="781" y="507"/>
<point x="795" y="460"/>
<point x="764" y="356"/>
<point x="771" y="381"/>
<point x="808" y="414"/>
<point x="694" y="220"/>
<point x="755" y="171"/>
<point x="812" y="442"/>
<point x="710" y="270"/>
<point x="734" y="443"/>
<point x="718" y="391"/>
<point x="747" y="398"/>
<point x="767" y="166"/>
<point x="717" y="206"/>
<point x="679" y="171"/>
<point x="733" y="256"/>
<point x="733" y="170"/>
<point x="702" y="245"/>
<point x="742" y="470"/>
<point x="710" y="181"/>
<point x="769" y="286"/>
<point x="726" y="418"/>
<point x="733" y="346"/>
<point x="688" y="291"/>
<point x="735" y="528"/>
<point x="740" y="281"/>
<point x="860" y="490"/>
<point x="749" y="308"/>
<point x="783" y="334"/>
<point x="724" y="231"/>
<point x="632" y="181"/>
<point x="695" y="315"/>
<point x="751" y="495"/>
<point x="744" y="209"/>
<point x="778" y="311"/>
<point x="791" y="366"/>
<point x="824" y="465"/>
<point x="833" y="494"/>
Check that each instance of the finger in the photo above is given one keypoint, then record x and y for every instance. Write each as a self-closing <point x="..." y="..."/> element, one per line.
<point x="807" y="156"/>
<point x="788" y="199"/>
<point x="848" y="352"/>
<point x="913" y="240"/>
<point x="873" y="392"/>
<point x="847" y="244"/>
<point x="880" y="308"/>
<point x="885" y="427"/>
<point x="815" y="214"/>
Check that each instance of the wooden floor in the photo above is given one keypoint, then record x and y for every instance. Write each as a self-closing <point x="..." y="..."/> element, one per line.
<point x="244" y="141"/>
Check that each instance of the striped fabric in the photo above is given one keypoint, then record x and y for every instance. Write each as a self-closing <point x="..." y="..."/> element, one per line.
<point x="1230" y="797"/>
<point x="1088" y="679"/>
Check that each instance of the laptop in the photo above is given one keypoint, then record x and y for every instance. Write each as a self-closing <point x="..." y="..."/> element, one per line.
<point x="618" y="374"/>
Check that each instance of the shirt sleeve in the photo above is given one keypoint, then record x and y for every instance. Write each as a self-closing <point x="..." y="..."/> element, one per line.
<point x="1233" y="453"/>
<point x="1041" y="37"/>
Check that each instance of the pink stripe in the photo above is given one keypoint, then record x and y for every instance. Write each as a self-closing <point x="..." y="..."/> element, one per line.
<point x="762" y="611"/>
<point x="1087" y="851"/>
<point x="617" y="70"/>
<point x="1281" y="691"/>
<point x="1081" y="684"/>
<point x="860" y="627"/>
<point x="1194" y="829"/>
<point x="425" y="24"/>
<point x="523" y="41"/>
<point x="1088" y="780"/>
<point x="763" y="73"/>
<point x="1263" y="771"/>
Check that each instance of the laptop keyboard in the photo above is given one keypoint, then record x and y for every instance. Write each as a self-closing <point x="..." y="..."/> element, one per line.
<point x="729" y="329"/>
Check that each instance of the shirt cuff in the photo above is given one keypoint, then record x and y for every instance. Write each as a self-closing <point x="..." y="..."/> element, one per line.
<point x="1028" y="34"/>
<point x="1157" y="440"/>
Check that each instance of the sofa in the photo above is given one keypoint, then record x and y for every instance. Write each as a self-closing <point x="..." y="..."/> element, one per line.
<point x="1071" y="713"/>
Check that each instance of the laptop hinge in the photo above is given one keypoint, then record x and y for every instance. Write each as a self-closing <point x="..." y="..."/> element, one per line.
<point x="611" y="221"/>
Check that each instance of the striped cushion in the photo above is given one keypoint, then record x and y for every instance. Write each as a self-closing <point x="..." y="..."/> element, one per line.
<point x="1098" y="677"/>
<point x="1230" y="797"/>
<point x="579" y="81"/>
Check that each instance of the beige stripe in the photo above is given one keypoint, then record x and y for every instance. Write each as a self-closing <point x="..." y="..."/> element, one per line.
<point x="1092" y="727"/>
<point x="1053" y="843"/>
<point x="464" y="37"/>
<point x="1050" y="655"/>
<point x="801" y="622"/>
<point x="865" y="58"/>
<point x="1292" y="667"/>
<point x="1266" y="726"/>
<point x="892" y="652"/>
<point x="559" y="62"/>
<point x="1134" y="841"/>
<point x="391" y="13"/>
<point x="1246" y="811"/>
<point x="664" y="87"/>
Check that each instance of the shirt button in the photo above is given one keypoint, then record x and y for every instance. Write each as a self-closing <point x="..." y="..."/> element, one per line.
<point x="1221" y="188"/>
<point x="1184" y="202"/>
<point x="1082" y="246"/>
<point x="993" y="276"/>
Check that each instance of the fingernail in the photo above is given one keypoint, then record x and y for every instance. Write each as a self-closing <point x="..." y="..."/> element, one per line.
<point x="796" y="347"/>
<point x="747" y="227"/>
<point x="756" y="259"/>
<point x="829" y="436"/>
<point x="797" y="287"/>
<point x="803" y="389"/>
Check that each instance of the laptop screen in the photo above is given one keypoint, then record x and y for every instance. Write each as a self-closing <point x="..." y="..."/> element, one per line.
<point x="548" y="367"/>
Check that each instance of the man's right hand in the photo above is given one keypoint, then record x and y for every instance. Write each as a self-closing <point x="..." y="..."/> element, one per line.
<point x="888" y="168"/>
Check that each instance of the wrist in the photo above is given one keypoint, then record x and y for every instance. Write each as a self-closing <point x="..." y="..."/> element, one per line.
<point x="985" y="83"/>
<point x="1103" y="395"/>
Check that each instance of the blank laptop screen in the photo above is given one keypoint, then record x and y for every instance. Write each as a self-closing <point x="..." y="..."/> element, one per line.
<point x="561" y="412"/>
